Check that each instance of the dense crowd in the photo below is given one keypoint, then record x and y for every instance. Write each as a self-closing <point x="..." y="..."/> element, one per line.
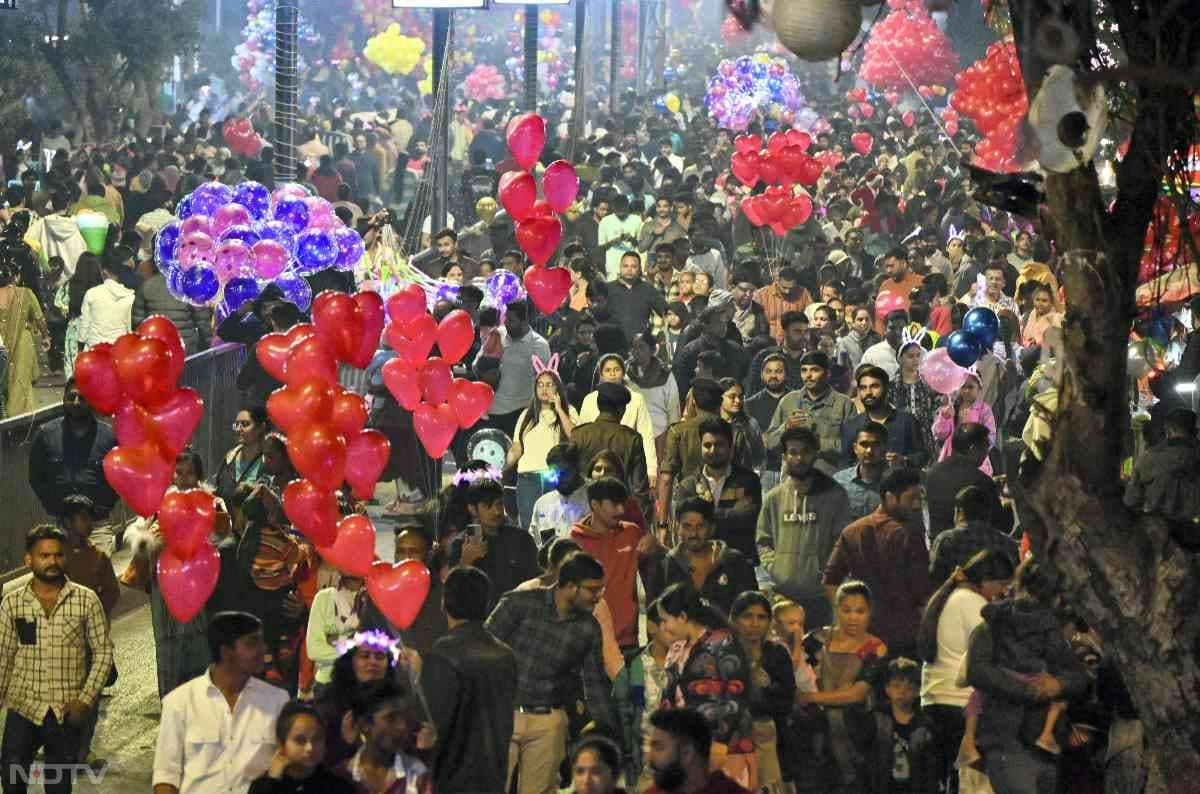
<point x="732" y="539"/>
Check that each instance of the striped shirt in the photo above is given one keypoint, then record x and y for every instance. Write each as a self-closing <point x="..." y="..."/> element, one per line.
<point x="775" y="306"/>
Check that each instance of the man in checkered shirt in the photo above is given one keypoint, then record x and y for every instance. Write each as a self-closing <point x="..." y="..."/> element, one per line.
<point x="47" y="629"/>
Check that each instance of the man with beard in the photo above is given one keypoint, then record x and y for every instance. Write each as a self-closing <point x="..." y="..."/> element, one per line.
<point x="662" y="228"/>
<point x="797" y="340"/>
<point x="49" y="629"/>
<point x="632" y="299"/>
<point x="734" y="491"/>
<point x="885" y="354"/>
<point x="816" y="406"/>
<point x="781" y="298"/>
<point x="904" y="446"/>
<point x="616" y="236"/>
<point x="678" y="753"/>
<point x="900" y="281"/>
<point x="799" y="522"/>
<point x="761" y="407"/>
<point x="862" y="479"/>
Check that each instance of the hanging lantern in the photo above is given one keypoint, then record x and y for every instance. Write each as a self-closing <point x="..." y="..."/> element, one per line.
<point x="816" y="30"/>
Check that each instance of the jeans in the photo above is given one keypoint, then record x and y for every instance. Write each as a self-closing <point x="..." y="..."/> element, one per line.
<point x="22" y="739"/>
<point x="529" y="488"/>
<point x="1018" y="771"/>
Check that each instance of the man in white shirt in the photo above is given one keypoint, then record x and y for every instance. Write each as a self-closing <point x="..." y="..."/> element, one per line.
<point x="617" y="235"/>
<point x="555" y="512"/>
<point x="885" y="354"/>
<point x="218" y="730"/>
<point x="519" y="343"/>
<point x="107" y="309"/>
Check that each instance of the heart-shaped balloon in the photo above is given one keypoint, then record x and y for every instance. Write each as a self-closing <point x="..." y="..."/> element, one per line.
<point x="300" y="404"/>
<point x="159" y="327"/>
<point x="799" y="138"/>
<point x="144" y="369"/>
<point x="560" y="185"/>
<point x="470" y="401"/>
<point x="526" y="137"/>
<point x="366" y="457"/>
<point x="354" y="550"/>
<point x="169" y="426"/>
<point x="435" y="381"/>
<point x="435" y="427"/>
<point x="186" y="519"/>
<point x="809" y="171"/>
<point x="862" y="142"/>
<point x="747" y="143"/>
<point x="909" y="118"/>
<point x="768" y="168"/>
<point x="547" y="287"/>
<point x="776" y="142"/>
<point x="745" y="167"/>
<point x="96" y="377"/>
<point x="319" y="453"/>
<point x="517" y="191"/>
<point x="455" y="335"/>
<point x="752" y="209"/>
<point x="857" y="94"/>
<point x="349" y="414"/>
<point x="312" y="510"/>
<point x="403" y="380"/>
<point x="310" y="359"/>
<point x="799" y="210"/>
<point x="406" y="304"/>
<point x="398" y="590"/>
<point x="414" y="340"/>
<point x="371" y="306"/>
<point x="272" y="350"/>
<point x="339" y="323"/>
<point x="539" y="238"/>
<point x="140" y="476"/>
<point x="187" y="584"/>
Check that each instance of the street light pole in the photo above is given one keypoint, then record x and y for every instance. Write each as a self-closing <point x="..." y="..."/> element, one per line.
<point x="441" y="108"/>
<point x="613" y="66"/>
<point x="287" y="89"/>
<point x="531" y="56"/>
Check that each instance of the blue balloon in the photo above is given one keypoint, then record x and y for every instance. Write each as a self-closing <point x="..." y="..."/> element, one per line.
<point x="239" y="290"/>
<point x="166" y="244"/>
<point x="278" y="231"/>
<point x="293" y="212"/>
<point x="744" y="65"/>
<point x="315" y="250"/>
<point x="174" y="278"/>
<point x="185" y="209"/>
<point x="448" y="292"/>
<point x="759" y="71"/>
<point x="964" y="348"/>
<point x="504" y="287"/>
<point x="199" y="285"/>
<point x="254" y="197"/>
<point x="350" y="248"/>
<point x="295" y="290"/>
<point x="244" y="233"/>
<point x="210" y="196"/>
<point x="983" y="324"/>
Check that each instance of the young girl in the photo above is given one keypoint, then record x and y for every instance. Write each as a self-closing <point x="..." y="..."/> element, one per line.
<point x="547" y="421"/>
<point x="967" y="406"/>
<point x="787" y="628"/>
<point x="296" y="767"/>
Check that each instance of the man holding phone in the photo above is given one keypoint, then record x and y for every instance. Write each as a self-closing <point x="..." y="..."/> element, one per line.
<point x="815" y="406"/>
<point x="505" y="553"/>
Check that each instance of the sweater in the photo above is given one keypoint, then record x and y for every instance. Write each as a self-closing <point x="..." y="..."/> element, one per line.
<point x="796" y="533"/>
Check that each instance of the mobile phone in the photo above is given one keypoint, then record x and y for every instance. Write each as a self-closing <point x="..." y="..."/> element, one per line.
<point x="474" y="530"/>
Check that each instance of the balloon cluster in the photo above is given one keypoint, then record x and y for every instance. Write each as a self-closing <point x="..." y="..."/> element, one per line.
<point x="254" y="57"/>
<point x="241" y="138"/>
<point x="441" y="404"/>
<point x="483" y="83"/>
<point x="980" y="327"/>
<point x="229" y="242"/>
<point x="751" y="85"/>
<point x="783" y="163"/>
<point x="551" y="65"/>
<point x="393" y="52"/>
<point x="991" y="93"/>
<point x="907" y="47"/>
<point x="539" y="229"/>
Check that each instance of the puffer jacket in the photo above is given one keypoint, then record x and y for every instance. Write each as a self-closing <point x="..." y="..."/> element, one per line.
<point x="194" y="323"/>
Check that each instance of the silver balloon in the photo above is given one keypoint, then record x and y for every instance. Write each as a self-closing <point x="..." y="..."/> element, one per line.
<point x="1139" y="359"/>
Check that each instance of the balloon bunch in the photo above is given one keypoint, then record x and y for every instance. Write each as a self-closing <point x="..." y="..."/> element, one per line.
<point x="907" y="47"/>
<point x="393" y="52"/>
<point x="783" y="163"/>
<point x="239" y="134"/>
<point x="539" y="229"/>
<point x="668" y="103"/>
<point x="980" y="327"/>
<point x="750" y="85"/>
<point x="483" y="83"/>
<point x="254" y="57"/>
<point x="229" y="242"/>
<point x="441" y="404"/>
<point x="991" y="93"/>
<point x="950" y="120"/>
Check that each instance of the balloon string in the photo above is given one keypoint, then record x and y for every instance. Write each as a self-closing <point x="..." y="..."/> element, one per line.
<point x="912" y="85"/>
<point x="416" y="684"/>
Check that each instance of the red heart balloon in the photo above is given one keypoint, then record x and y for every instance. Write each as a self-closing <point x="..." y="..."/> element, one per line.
<point x="354" y="550"/>
<point x="517" y="192"/>
<point x="862" y="142"/>
<point x="752" y="209"/>
<point x="144" y="369"/>
<point x="272" y="352"/>
<point x="867" y="110"/>
<point x="810" y="171"/>
<point x="779" y="229"/>
<point x="305" y="403"/>
<point x="170" y="425"/>
<point x="398" y="590"/>
<point x="319" y="453"/>
<point x="435" y="427"/>
<point x="768" y="168"/>
<point x="542" y="209"/>
<point x="791" y="162"/>
<point x="160" y="328"/>
<point x="339" y="323"/>
<point x="414" y="340"/>
<point x="745" y="167"/>
<point x="799" y="210"/>
<point x="747" y="143"/>
<point x="776" y="142"/>
<point x="547" y="287"/>
<point x="187" y="584"/>
<point x="909" y="118"/>
<point x="456" y="335"/>
<point x="140" y="475"/>
<point x="312" y="510"/>
<point x="526" y="136"/>
<point x="366" y="457"/>
<point x="96" y="377"/>
<point x="470" y="401"/>
<point x="186" y="519"/>
<point x="403" y="380"/>
<point x="560" y="185"/>
<point x="349" y="414"/>
<point x="539" y="238"/>
<point x="799" y="138"/>
<point x="435" y="381"/>
<point x="310" y="359"/>
<point x="407" y="304"/>
<point x="371" y="306"/>
<point x="857" y="94"/>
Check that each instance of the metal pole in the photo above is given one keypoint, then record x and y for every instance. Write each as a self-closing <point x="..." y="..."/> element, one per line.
<point x="640" y="80"/>
<point x="531" y="57"/>
<point x="579" y="111"/>
<point x="439" y="183"/>
<point x="613" y="67"/>
<point x="660" y="60"/>
<point x="287" y="89"/>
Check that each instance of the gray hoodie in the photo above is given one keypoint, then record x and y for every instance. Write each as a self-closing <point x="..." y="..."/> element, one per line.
<point x="796" y="533"/>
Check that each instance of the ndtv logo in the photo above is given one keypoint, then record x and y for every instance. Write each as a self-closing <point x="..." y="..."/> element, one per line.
<point x="52" y="774"/>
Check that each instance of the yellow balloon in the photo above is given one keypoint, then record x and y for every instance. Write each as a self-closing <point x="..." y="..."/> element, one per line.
<point x="545" y="17"/>
<point x="672" y="103"/>
<point x="394" y="52"/>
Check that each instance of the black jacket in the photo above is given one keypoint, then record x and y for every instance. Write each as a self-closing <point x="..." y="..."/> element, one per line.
<point x="470" y="680"/>
<point x="62" y="464"/>
<point x="631" y="306"/>
<point x="943" y="482"/>
<point x="732" y="575"/>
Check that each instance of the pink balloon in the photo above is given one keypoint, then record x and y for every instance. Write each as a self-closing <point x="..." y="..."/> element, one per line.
<point x="229" y="215"/>
<point x="230" y="258"/>
<point x="942" y="374"/>
<point x="888" y="301"/>
<point x="195" y="247"/>
<point x="270" y="258"/>
<point x="196" y="223"/>
<point x="320" y="214"/>
<point x="289" y="191"/>
<point x="560" y="185"/>
<point x="187" y="584"/>
<point x="526" y="136"/>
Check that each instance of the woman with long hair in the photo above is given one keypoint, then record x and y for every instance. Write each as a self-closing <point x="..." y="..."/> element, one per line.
<point x="366" y="657"/>
<point x="967" y="405"/>
<point x="747" y="435"/>
<point x="244" y="463"/>
<point x="611" y="369"/>
<point x="772" y="685"/>
<point x="546" y="422"/>
<point x="950" y="616"/>
<point x="20" y="319"/>
<point x="655" y="382"/>
<point x="707" y="672"/>
<point x="912" y="393"/>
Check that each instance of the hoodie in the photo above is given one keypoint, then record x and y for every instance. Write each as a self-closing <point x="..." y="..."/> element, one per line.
<point x="618" y="553"/>
<point x="106" y="313"/>
<point x="796" y="534"/>
<point x="57" y="235"/>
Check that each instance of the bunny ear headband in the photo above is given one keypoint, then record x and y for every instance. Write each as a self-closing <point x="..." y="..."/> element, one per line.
<point x="908" y="337"/>
<point x="539" y="367"/>
<point x="956" y="234"/>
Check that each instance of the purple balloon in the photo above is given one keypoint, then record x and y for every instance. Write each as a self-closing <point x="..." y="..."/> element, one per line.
<point x="166" y="244"/>
<point x="296" y="290"/>
<point x="350" y="248"/>
<point x="186" y="208"/>
<point x="200" y="285"/>
<point x="210" y="196"/>
<point x="504" y="287"/>
<point x="254" y="197"/>
<point x="280" y="232"/>
<point x="244" y="233"/>
<point x="239" y="290"/>
<point x="293" y="212"/>
<point x="315" y="250"/>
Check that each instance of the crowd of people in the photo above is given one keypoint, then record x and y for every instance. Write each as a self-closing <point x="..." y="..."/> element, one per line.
<point x="736" y="541"/>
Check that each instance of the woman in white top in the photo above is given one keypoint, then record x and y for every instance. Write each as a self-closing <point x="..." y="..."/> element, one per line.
<point x="953" y="612"/>
<point x="611" y="369"/>
<point x="656" y="384"/>
<point x="547" y="422"/>
<point x="334" y="617"/>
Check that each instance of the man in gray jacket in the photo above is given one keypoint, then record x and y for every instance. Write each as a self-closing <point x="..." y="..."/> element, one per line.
<point x="799" y="522"/>
<point x="194" y="322"/>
